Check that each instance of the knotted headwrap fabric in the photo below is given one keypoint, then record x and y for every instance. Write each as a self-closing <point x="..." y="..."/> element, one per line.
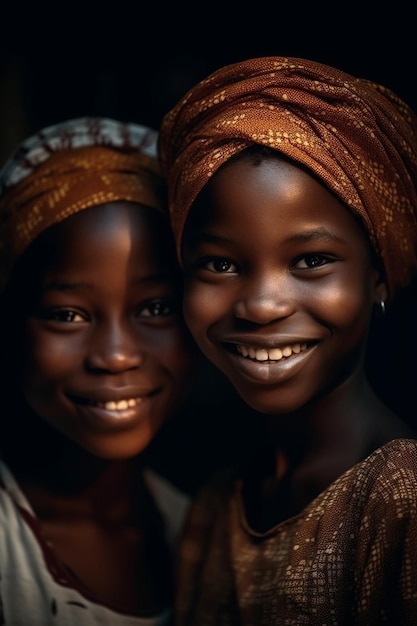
<point x="69" y="167"/>
<point x="357" y="136"/>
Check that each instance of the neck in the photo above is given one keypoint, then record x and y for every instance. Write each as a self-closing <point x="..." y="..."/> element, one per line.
<point x="314" y="446"/>
<point x="53" y="470"/>
<point x="324" y="439"/>
<point x="349" y="414"/>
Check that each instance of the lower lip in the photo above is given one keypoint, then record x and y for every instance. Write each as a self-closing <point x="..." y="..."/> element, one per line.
<point x="105" y="420"/>
<point x="272" y="372"/>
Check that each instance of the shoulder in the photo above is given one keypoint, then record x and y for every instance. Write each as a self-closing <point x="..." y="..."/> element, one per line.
<point x="394" y="459"/>
<point x="171" y="502"/>
<point x="387" y="477"/>
<point x="11" y="496"/>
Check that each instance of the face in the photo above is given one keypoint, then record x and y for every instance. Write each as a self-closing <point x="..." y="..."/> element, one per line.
<point x="279" y="283"/>
<point x="107" y="358"/>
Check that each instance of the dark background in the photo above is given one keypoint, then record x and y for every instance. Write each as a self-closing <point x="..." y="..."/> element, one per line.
<point x="133" y="62"/>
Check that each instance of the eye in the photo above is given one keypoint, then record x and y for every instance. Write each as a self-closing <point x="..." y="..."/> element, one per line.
<point x="311" y="261"/>
<point x="219" y="265"/>
<point x="159" y="308"/>
<point x="67" y="316"/>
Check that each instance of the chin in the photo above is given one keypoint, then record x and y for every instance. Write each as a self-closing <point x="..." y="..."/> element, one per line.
<point x="117" y="449"/>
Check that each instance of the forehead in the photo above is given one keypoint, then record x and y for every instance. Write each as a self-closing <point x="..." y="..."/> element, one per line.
<point x="108" y="221"/>
<point x="95" y="237"/>
<point x="254" y="190"/>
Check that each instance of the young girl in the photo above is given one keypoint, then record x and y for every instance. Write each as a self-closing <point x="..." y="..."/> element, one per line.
<point x="293" y="201"/>
<point x="96" y="359"/>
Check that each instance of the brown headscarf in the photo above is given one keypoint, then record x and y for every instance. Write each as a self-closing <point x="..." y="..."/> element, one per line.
<point x="358" y="137"/>
<point x="69" y="167"/>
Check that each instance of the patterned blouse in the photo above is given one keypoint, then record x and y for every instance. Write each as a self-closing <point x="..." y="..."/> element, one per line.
<point x="349" y="558"/>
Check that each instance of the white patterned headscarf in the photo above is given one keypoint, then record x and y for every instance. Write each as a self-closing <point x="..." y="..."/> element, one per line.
<point x="71" y="166"/>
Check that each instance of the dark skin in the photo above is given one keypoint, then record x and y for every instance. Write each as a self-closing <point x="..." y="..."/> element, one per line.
<point x="102" y="361"/>
<point x="280" y="289"/>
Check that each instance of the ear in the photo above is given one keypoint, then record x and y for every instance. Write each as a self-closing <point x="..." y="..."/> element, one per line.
<point x="380" y="289"/>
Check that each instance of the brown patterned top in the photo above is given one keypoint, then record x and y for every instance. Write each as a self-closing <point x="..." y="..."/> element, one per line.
<point x="349" y="558"/>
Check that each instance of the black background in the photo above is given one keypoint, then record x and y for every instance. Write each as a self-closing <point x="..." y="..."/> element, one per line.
<point x="133" y="61"/>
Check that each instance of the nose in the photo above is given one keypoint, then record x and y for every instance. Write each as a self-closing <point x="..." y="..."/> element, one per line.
<point x="114" y="347"/>
<point x="265" y="297"/>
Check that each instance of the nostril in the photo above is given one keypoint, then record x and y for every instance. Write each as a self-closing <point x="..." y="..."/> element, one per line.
<point x="114" y="361"/>
<point x="262" y="310"/>
<point x="113" y="347"/>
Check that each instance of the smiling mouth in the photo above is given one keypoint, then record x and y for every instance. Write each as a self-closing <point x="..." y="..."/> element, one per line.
<point x="118" y="405"/>
<point x="273" y="354"/>
<point x="111" y="405"/>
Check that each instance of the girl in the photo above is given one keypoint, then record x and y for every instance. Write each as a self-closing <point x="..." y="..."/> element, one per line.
<point x="96" y="360"/>
<point x="293" y="201"/>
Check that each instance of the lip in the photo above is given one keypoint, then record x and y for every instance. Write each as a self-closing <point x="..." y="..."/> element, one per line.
<point x="105" y="420"/>
<point x="92" y="397"/>
<point x="112" y="410"/>
<point x="267" y="354"/>
<point x="271" y="372"/>
<point x="267" y="341"/>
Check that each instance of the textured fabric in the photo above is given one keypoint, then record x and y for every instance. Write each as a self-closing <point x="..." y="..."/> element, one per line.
<point x="348" y="558"/>
<point x="32" y="577"/>
<point x="358" y="137"/>
<point x="69" y="167"/>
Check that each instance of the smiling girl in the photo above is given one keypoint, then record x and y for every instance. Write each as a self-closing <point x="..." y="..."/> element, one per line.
<point x="97" y="359"/>
<point x="293" y="201"/>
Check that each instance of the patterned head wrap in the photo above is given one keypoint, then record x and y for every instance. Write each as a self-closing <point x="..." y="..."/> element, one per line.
<point x="358" y="137"/>
<point x="69" y="167"/>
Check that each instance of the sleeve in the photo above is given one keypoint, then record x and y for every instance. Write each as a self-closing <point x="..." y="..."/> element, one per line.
<point x="387" y="548"/>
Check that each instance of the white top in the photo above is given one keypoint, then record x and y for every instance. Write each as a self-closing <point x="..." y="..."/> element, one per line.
<point x="33" y="590"/>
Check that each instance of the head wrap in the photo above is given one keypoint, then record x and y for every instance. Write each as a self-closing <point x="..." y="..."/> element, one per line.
<point x="69" y="167"/>
<point x="358" y="137"/>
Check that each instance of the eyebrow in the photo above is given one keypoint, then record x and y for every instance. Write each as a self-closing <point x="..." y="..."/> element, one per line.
<point x="316" y="233"/>
<point x="55" y="285"/>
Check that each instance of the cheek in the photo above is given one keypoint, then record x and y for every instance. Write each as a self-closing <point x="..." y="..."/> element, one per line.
<point x="175" y="350"/>
<point x="46" y="359"/>
<point x="40" y="376"/>
<point x="179" y="359"/>
<point x="344" y="302"/>
<point x="203" y="306"/>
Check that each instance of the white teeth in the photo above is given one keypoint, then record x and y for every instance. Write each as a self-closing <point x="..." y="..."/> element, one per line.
<point x="275" y="354"/>
<point x="261" y="355"/>
<point x="120" y="405"/>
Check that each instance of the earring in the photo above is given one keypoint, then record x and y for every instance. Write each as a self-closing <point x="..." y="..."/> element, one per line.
<point x="382" y="305"/>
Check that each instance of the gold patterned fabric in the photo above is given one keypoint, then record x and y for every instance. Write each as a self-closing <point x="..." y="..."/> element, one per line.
<point x="69" y="167"/>
<point x="357" y="136"/>
<point x="349" y="558"/>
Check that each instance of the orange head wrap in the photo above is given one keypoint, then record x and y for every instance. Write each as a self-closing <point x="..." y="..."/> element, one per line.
<point x="358" y="137"/>
<point x="69" y="167"/>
